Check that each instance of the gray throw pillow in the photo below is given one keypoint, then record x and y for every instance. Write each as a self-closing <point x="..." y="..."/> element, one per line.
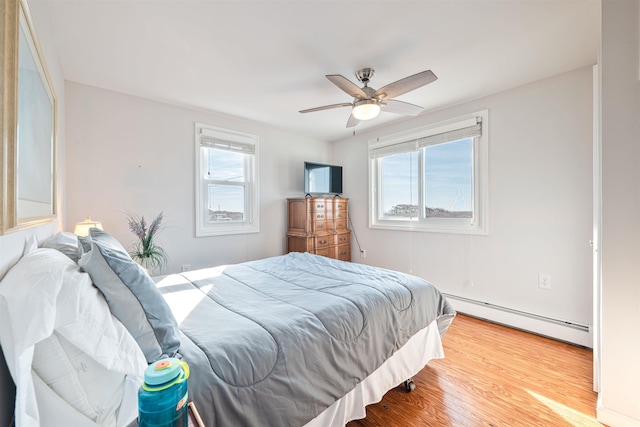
<point x="65" y="242"/>
<point x="132" y="296"/>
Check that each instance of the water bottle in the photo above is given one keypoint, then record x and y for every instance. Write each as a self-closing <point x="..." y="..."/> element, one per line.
<point x="162" y="398"/>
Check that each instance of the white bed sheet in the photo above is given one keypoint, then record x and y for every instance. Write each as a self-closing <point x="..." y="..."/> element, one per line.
<point x="405" y="363"/>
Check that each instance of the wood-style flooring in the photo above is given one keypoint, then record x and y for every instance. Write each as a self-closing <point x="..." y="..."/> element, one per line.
<point x="497" y="377"/>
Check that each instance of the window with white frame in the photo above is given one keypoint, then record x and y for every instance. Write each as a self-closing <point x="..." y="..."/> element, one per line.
<point x="226" y="181"/>
<point x="433" y="178"/>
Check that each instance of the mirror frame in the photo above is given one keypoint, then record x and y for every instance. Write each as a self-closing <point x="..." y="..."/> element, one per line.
<point x="10" y="26"/>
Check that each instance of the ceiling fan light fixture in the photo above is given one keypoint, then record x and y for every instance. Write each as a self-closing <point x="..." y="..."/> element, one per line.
<point x="366" y="109"/>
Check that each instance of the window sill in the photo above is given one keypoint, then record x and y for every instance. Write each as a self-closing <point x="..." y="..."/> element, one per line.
<point x="226" y="230"/>
<point x="430" y="228"/>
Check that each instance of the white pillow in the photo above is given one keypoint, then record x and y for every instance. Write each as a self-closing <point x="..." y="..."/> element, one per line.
<point x="46" y="295"/>
<point x="30" y="244"/>
<point x="86" y="385"/>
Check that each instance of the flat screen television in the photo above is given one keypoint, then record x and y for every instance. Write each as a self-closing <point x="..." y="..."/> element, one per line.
<point x="322" y="179"/>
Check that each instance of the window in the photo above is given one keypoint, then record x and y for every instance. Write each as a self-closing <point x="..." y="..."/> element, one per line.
<point x="432" y="179"/>
<point x="226" y="185"/>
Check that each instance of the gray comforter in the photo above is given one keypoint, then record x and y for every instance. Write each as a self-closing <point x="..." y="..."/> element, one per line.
<point x="275" y="342"/>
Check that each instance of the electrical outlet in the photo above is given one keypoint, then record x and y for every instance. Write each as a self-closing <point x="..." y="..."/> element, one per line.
<point x="363" y="253"/>
<point x="185" y="267"/>
<point x="544" y="281"/>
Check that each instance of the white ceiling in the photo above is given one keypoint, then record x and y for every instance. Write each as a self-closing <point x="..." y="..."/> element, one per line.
<point x="266" y="60"/>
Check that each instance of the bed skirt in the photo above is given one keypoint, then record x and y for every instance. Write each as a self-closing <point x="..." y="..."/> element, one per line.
<point x="405" y="363"/>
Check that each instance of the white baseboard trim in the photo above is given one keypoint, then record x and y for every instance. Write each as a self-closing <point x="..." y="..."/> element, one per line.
<point x="558" y="329"/>
<point x="612" y="418"/>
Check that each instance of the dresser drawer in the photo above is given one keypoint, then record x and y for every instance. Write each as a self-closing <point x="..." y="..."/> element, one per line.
<point x="317" y="205"/>
<point x="342" y="238"/>
<point x="322" y="240"/>
<point x="340" y="224"/>
<point x="340" y="205"/>
<point x="343" y="252"/>
<point x="318" y="216"/>
<point x="317" y="226"/>
<point x="323" y="252"/>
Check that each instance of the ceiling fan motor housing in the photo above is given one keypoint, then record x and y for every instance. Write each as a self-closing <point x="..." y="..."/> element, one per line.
<point x="370" y="92"/>
<point x="365" y="74"/>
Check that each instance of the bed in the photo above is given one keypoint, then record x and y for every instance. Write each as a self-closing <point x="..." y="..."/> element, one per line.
<point x="291" y="340"/>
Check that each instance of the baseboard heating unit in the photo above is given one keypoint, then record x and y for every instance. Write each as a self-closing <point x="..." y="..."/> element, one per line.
<point x="562" y="330"/>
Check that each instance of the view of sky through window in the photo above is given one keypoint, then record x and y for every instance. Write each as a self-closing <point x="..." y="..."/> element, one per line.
<point x="449" y="172"/>
<point x="226" y="166"/>
<point x="448" y="180"/>
<point x="399" y="180"/>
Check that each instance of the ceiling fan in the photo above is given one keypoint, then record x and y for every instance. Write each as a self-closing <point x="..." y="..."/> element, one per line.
<point x="367" y="102"/>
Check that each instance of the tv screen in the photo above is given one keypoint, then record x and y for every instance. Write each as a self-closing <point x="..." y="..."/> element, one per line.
<point x="322" y="179"/>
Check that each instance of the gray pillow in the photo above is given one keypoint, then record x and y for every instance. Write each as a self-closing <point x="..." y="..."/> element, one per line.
<point x="65" y="242"/>
<point x="132" y="296"/>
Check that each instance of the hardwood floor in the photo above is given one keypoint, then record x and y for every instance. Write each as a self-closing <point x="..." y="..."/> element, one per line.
<point x="494" y="376"/>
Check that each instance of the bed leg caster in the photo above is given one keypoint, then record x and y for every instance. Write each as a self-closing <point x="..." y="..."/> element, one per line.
<point x="409" y="385"/>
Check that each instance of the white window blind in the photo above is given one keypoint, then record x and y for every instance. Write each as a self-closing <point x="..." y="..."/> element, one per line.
<point x="220" y="144"/>
<point x="470" y="128"/>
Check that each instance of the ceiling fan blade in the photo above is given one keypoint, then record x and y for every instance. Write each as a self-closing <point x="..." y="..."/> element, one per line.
<point x="405" y="85"/>
<point x="346" y="85"/>
<point x="352" y="122"/>
<point x="327" y="107"/>
<point x="400" y="107"/>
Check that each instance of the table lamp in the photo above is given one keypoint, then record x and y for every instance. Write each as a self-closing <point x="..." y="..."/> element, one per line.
<point x="82" y="228"/>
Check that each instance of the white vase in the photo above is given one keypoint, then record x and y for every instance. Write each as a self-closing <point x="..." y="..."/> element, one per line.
<point x="144" y="263"/>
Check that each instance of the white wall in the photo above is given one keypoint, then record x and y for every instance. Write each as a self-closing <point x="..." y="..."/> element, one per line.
<point x="619" y="403"/>
<point x="540" y="204"/>
<point x="128" y="153"/>
<point x="12" y="245"/>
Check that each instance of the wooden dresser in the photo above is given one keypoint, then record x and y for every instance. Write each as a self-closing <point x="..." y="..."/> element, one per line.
<point x="319" y="225"/>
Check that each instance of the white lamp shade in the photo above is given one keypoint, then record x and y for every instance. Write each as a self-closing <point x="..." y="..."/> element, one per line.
<point x="366" y="109"/>
<point x="82" y="228"/>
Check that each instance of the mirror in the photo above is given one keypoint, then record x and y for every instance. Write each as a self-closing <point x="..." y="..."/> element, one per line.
<point x="29" y="125"/>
